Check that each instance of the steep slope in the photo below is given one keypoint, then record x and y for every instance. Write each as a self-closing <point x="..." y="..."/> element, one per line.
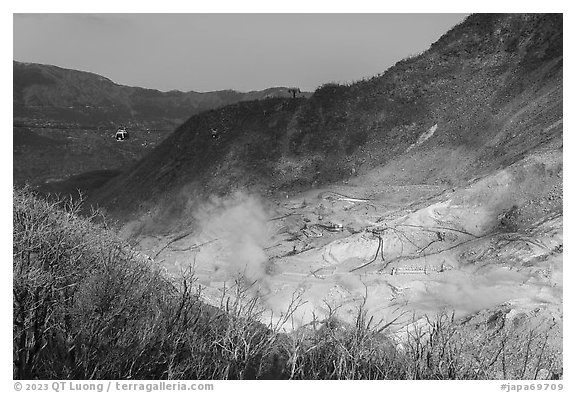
<point x="482" y="97"/>
<point x="49" y="94"/>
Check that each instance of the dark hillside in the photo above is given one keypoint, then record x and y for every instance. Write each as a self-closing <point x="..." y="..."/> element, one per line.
<point x="486" y="93"/>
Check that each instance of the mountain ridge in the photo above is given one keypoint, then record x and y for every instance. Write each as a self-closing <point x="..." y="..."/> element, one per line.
<point x="47" y="95"/>
<point x="491" y="84"/>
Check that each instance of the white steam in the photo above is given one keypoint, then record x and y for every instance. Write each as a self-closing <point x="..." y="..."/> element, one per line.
<point x="239" y="227"/>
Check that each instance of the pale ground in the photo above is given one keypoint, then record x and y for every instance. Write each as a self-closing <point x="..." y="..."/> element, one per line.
<point x="409" y="250"/>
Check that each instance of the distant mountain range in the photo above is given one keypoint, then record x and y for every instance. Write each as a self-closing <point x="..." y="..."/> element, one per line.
<point x="50" y="96"/>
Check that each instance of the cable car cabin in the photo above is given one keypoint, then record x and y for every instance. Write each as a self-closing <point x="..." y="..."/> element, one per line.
<point x="121" y="134"/>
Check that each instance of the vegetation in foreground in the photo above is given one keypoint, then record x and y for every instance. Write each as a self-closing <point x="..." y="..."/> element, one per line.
<point x="85" y="306"/>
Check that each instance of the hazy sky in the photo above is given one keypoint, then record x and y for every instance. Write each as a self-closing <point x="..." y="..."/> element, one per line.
<point x="205" y="52"/>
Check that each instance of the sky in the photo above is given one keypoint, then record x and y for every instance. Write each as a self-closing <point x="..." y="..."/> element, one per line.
<point x="244" y="52"/>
